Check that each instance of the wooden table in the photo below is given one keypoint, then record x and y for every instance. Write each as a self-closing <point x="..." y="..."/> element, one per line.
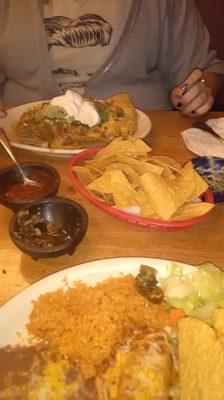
<point x="107" y="236"/>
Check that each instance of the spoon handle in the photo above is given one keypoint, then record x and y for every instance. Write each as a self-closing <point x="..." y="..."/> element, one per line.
<point x="7" y="145"/>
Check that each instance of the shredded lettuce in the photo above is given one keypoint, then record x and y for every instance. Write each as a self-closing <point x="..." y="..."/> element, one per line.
<point x="204" y="312"/>
<point x="177" y="287"/>
<point x="70" y="119"/>
<point x="53" y="112"/>
<point x="176" y="270"/>
<point x="198" y="292"/>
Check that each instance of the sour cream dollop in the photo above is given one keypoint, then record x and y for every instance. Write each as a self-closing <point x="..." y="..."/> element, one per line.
<point x="75" y="105"/>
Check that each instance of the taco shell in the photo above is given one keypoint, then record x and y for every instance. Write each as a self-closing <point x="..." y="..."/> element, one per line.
<point x="201" y="353"/>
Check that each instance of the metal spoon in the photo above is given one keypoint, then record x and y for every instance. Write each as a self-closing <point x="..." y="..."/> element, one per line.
<point x="7" y="145"/>
<point x="205" y="127"/>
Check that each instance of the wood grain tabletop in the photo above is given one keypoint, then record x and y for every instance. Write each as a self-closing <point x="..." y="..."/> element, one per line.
<point x="107" y="236"/>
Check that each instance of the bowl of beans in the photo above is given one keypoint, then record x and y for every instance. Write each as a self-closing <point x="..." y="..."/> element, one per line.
<point x="15" y="194"/>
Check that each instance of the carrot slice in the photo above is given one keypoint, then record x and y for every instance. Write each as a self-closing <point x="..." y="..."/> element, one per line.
<point x="176" y="314"/>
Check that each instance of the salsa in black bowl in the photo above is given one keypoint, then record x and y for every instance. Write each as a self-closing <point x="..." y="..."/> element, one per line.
<point x="15" y="194"/>
<point x="49" y="228"/>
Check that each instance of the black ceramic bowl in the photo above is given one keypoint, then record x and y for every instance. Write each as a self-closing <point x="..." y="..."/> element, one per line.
<point x="11" y="176"/>
<point x="64" y="215"/>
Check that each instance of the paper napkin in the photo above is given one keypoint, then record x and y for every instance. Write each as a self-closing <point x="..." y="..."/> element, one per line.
<point x="203" y="143"/>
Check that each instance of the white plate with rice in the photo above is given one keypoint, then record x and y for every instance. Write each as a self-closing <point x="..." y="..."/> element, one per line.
<point x="15" y="313"/>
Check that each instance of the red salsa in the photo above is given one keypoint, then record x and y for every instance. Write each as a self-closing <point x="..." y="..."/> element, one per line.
<point x="22" y="191"/>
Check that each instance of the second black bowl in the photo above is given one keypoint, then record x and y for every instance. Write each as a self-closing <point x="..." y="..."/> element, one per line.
<point x="63" y="216"/>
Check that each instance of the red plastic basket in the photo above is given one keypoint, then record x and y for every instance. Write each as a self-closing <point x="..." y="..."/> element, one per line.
<point x="144" y="222"/>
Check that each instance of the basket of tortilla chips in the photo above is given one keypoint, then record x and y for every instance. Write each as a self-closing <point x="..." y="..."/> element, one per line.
<point x="127" y="181"/>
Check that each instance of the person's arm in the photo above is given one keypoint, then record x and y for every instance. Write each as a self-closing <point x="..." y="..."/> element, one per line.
<point x="196" y="94"/>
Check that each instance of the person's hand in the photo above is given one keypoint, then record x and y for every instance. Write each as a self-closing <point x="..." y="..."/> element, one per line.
<point x="193" y="97"/>
<point x="3" y="113"/>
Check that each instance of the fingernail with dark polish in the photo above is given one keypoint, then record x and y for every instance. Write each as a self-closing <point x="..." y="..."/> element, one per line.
<point x="179" y="105"/>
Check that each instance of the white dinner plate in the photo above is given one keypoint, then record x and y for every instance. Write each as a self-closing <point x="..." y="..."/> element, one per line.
<point x="14" y="314"/>
<point x="14" y="114"/>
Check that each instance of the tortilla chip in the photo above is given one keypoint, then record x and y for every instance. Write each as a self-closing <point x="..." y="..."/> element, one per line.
<point x="112" y="129"/>
<point x="191" y="210"/>
<point x="168" y="173"/>
<point x="102" y="184"/>
<point x="130" y="173"/>
<point x="116" y="183"/>
<point x="167" y="196"/>
<point x="83" y="174"/>
<point x="101" y="163"/>
<point x="95" y="172"/>
<point x="191" y="182"/>
<point x="124" y="195"/>
<point x="123" y="101"/>
<point x="184" y="184"/>
<point x="165" y="162"/>
<point x="140" y="167"/>
<point x="160" y="188"/>
<point x="148" y="211"/>
<point x="187" y="186"/>
<point x="218" y="320"/>
<point x="164" y="200"/>
<point x="124" y="200"/>
<point x="126" y="147"/>
<point x="121" y="119"/>
<point x="200" y="186"/>
<point x="201" y="356"/>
